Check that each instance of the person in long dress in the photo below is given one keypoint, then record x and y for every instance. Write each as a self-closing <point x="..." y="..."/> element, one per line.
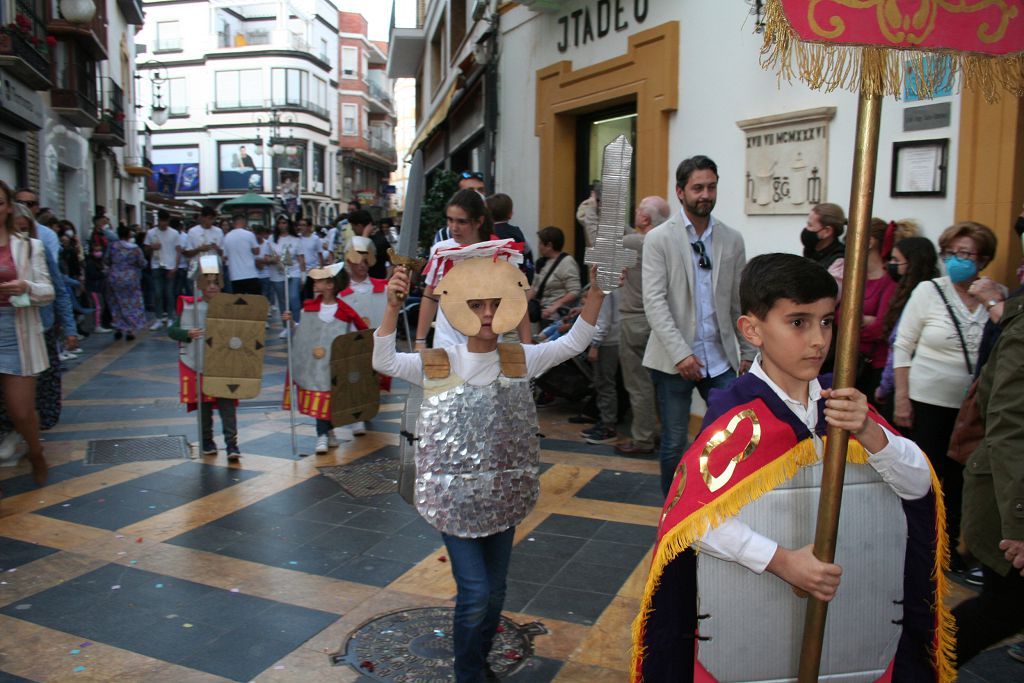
<point x="124" y="285"/>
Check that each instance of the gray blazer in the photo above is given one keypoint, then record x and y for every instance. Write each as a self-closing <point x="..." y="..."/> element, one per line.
<point x="669" y="288"/>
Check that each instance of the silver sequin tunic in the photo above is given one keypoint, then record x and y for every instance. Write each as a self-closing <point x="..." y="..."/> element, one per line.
<point x="477" y="458"/>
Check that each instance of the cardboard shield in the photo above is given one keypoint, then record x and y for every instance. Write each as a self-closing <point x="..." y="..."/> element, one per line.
<point x="871" y="548"/>
<point x="311" y="351"/>
<point x="369" y="305"/>
<point x="355" y="388"/>
<point x="234" y="340"/>
<point x="193" y="315"/>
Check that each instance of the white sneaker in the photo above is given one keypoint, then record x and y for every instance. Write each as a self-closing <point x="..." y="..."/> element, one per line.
<point x="66" y="356"/>
<point x="10" y="452"/>
<point x="157" y="324"/>
<point x="359" y="428"/>
<point x="77" y="352"/>
<point x="103" y="330"/>
<point x="332" y="440"/>
<point x="284" y="333"/>
<point x="321" y="444"/>
<point x="345" y="434"/>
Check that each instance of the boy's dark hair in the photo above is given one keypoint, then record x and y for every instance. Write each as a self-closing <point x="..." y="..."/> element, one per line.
<point x="208" y="211"/>
<point x="553" y="236"/>
<point x="500" y="205"/>
<point x="695" y="163"/>
<point x="163" y="215"/>
<point x="360" y="217"/>
<point x="770" y="277"/>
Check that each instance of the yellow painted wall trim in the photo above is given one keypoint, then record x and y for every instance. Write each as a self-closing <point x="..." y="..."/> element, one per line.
<point x="990" y="174"/>
<point x="647" y="74"/>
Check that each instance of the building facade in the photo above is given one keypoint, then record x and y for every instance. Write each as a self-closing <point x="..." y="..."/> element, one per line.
<point x="67" y="124"/>
<point x="366" y="137"/>
<point x="681" y="79"/>
<point x="246" y="91"/>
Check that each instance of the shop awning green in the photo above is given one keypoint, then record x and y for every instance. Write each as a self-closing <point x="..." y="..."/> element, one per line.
<point x="248" y="199"/>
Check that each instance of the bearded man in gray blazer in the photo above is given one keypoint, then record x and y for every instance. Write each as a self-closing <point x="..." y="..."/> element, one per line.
<point x="691" y="280"/>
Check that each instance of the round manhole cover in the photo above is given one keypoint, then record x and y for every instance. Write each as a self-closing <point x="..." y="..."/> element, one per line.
<point x="416" y="645"/>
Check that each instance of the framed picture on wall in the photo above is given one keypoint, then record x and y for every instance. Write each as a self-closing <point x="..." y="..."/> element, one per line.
<point x="919" y="168"/>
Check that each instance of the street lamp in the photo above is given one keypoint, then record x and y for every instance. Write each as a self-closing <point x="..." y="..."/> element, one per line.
<point x="78" y="11"/>
<point x="274" y="119"/>
<point x="158" y="111"/>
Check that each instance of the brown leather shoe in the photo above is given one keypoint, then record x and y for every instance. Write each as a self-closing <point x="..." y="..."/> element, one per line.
<point x="631" y="450"/>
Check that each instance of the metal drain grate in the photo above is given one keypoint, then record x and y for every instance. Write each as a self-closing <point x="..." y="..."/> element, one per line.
<point x="365" y="478"/>
<point x="136" y="449"/>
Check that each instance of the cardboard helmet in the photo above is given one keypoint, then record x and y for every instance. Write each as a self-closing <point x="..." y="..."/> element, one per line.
<point x="483" y="271"/>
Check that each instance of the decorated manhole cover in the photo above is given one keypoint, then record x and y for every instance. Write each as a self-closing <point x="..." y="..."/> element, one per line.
<point x="416" y="645"/>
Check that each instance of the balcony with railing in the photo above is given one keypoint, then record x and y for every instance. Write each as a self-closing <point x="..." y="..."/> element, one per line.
<point x="166" y="44"/>
<point x="283" y="105"/>
<point x="380" y="97"/>
<point x="92" y="36"/>
<point x="24" y="46"/>
<point x="73" y="95"/>
<point x="110" y="129"/>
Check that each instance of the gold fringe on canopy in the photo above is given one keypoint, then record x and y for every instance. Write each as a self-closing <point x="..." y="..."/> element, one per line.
<point x="881" y="70"/>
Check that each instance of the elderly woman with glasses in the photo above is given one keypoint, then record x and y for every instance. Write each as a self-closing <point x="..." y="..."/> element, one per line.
<point x="936" y="353"/>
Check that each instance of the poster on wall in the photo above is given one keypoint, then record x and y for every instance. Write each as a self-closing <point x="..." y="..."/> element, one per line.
<point x="240" y="167"/>
<point x="289" y="186"/>
<point x="787" y="161"/>
<point x="175" y="171"/>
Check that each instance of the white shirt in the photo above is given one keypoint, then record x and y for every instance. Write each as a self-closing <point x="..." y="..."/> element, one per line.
<point x="199" y="236"/>
<point x="183" y="243"/>
<point x="901" y="464"/>
<point x="263" y="272"/>
<point x="311" y="251"/>
<point x="927" y="343"/>
<point x="480" y="369"/>
<point x="293" y="246"/>
<point x="238" y="246"/>
<point x="327" y="311"/>
<point x="166" y="254"/>
<point x="364" y="287"/>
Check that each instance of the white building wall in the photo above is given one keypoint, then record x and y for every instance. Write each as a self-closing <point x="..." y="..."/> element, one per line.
<point x="721" y="82"/>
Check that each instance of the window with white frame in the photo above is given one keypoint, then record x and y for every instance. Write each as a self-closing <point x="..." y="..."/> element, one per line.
<point x="323" y="51"/>
<point x="350" y="119"/>
<point x="349" y="62"/>
<point x="289" y="86"/>
<point x="366" y="123"/>
<point x="319" y="95"/>
<point x="168" y="36"/>
<point x="177" y="97"/>
<point x="237" y="89"/>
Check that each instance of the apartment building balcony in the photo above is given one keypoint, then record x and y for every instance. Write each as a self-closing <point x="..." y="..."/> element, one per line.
<point x="76" y="105"/>
<point x="132" y="11"/>
<point x="92" y="36"/>
<point x="292" y="105"/>
<point x="110" y="129"/>
<point x="24" y="50"/>
<point x="138" y="166"/>
<point x="265" y="39"/>
<point x="379" y="99"/>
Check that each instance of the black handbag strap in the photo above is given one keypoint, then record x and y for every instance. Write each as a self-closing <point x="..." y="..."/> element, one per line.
<point x="540" y="289"/>
<point x="956" y="324"/>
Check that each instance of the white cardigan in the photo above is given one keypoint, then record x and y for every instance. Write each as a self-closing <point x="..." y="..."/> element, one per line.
<point x="29" y="257"/>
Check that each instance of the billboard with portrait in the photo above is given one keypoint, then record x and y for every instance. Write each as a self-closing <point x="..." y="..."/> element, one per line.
<point x="240" y="167"/>
<point x="175" y="171"/>
<point x="289" y="187"/>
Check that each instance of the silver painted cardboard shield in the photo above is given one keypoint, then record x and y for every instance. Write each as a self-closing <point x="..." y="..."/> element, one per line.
<point x="369" y="305"/>
<point x="311" y="351"/>
<point x="756" y="621"/>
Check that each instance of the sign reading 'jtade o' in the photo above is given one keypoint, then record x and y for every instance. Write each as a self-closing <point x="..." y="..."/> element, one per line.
<point x="585" y="25"/>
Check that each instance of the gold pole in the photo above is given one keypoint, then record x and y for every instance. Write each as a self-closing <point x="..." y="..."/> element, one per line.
<point x="869" y="110"/>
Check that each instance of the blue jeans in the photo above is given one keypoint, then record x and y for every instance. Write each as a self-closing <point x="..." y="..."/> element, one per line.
<point x="295" y="297"/>
<point x="275" y="294"/>
<point x="673" y="394"/>
<point x="480" y="567"/>
<point x="163" y="293"/>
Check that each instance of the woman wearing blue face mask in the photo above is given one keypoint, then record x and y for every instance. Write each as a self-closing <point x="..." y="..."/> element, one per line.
<point x="936" y="352"/>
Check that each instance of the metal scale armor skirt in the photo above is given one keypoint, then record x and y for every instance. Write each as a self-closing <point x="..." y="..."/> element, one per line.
<point x="477" y="458"/>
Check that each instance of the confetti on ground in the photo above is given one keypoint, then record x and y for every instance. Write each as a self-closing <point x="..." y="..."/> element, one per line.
<point x="24" y="606"/>
<point x="139" y="539"/>
<point x="159" y="585"/>
<point x="292" y="562"/>
<point x="133" y="562"/>
<point x="119" y="536"/>
<point x="115" y="587"/>
<point x="78" y="669"/>
<point x="278" y="667"/>
<point x="442" y="559"/>
<point x="86" y="644"/>
<point x="122" y="553"/>
<point x="234" y="590"/>
<point x="66" y="505"/>
<point x="366" y="664"/>
<point x="11" y="571"/>
<point x="75" y="651"/>
<point x="186" y="625"/>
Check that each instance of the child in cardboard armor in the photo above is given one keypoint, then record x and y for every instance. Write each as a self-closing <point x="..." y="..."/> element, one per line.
<point x="190" y="326"/>
<point x="325" y="317"/>
<point x="756" y="466"/>
<point x="478" y="452"/>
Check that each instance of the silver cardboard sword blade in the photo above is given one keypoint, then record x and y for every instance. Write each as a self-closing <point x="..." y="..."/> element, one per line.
<point x="608" y="254"/>
<point x="414" y="192"/>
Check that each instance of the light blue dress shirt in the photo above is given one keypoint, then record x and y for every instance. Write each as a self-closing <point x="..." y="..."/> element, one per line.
<point x="707" y="345"/>
<point x="61" y="303"/>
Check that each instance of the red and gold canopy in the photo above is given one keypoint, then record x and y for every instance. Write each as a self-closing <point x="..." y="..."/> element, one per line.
<point x="836" y="43"/>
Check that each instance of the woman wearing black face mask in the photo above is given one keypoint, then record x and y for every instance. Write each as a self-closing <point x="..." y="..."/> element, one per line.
<point x="825" y="225"/>
<point x="912" y="261"/>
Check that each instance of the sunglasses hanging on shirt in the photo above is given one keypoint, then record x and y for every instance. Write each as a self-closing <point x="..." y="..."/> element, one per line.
<point x="703" y="260"/>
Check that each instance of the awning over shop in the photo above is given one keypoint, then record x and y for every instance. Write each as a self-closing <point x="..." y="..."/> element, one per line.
<point x="248" y="199"/>
<point x="155" y="200"/>
<point x="436" y="119"/>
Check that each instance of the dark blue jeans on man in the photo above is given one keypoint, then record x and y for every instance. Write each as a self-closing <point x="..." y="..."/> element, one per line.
<point x="480" y="568"/>
<point x="165" y="284"/>
<point x="674" y="394"/>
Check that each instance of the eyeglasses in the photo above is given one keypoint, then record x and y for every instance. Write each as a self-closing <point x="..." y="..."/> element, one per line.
<point x="703" y="260"/>
<point x="960" y="253"/>
<point x="466" y="175"/>
<point x="29" y="204"/>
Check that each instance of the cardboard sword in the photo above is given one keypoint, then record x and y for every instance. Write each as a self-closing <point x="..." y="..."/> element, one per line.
<point x="407" y="253"/>
<point x="608" y="254"/>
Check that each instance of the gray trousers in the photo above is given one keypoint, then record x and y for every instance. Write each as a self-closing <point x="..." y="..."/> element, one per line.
<point x="633" y="334"/>
<point x="604" y="384"/>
